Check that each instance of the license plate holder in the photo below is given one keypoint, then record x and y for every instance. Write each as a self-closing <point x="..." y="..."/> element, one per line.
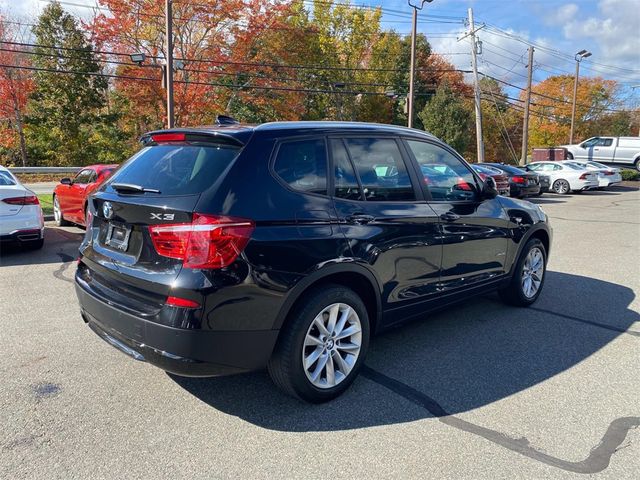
<point x="118" y="236"/>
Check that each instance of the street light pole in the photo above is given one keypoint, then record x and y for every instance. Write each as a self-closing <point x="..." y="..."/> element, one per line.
<point x="412" y="69"/>
<point x="579" y="56"/>
<point x="169" y="62"/>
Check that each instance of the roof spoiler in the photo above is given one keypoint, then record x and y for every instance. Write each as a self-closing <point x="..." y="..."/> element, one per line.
<point x="226" y="120"/>
<point x="180" y="135"/>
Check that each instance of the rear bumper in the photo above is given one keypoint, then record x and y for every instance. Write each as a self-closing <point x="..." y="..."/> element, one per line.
<point x="518" y="190"/>
<point x="196" y="353"/>
<point x="23" y="236"/>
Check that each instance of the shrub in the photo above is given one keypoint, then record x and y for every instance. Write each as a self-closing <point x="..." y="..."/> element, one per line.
<point x="630" y="175"/>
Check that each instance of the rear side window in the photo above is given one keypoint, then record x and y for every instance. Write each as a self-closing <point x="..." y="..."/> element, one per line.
<point x="6" y="179"/>
<point x="176" y="169"/>
<point x="303" y="165"/>
<point x="346" y="183"/>
<point x="381" y="169"/>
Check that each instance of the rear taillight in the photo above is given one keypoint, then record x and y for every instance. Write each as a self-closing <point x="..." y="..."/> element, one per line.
<point x="181" y="302"/>
<point x="207" y="242"/>
<point x="518" y="179"/>
<point x="609" y="173"/>
<point x="584" y="176"/>
<point x="26" y="200"/>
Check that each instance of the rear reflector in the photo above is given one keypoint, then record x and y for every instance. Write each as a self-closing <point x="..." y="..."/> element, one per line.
<point x="26" y="200"/>
<point x="207" y="242"/>
<point x="168" y="137"/>
<point x="181" y="302"/>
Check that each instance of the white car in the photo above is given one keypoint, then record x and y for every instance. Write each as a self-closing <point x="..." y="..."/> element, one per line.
<point x="607" y="176"/>
<point x="21" y="219"/>
<point x="566" y="176"/>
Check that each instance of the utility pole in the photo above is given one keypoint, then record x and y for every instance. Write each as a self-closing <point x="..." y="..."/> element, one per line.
<point x="525" y="123"/>
<point x="169" y="62"/>
<point x="474" y="63"/>
<point x="579" y="56"/>
<point x="412" y="69"/>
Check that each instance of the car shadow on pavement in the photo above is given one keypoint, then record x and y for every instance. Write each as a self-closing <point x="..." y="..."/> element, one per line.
<point x="451" y="362"/>
<point x="59" y="245"/>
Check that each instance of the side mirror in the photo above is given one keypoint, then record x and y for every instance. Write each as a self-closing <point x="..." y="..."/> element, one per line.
<point x="66" y="181"/>
<point x="490" y="189"/>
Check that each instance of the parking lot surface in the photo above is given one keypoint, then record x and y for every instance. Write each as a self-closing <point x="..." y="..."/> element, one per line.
<point x="480" y="390"/>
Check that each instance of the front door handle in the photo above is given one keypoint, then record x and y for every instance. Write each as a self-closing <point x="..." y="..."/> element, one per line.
<point x="449" y="217"/>
<point x="360" y="219"/>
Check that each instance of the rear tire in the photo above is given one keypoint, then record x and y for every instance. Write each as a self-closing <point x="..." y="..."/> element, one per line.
<point x="332" y="357"/>
<point x="57" y="214"/>
<point x="529" y="272"/>
<point x="569" y="156"/>
<point x="638" y="164"/>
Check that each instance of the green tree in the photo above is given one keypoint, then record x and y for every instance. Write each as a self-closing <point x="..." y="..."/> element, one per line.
<point x="447" y="117"/>
<point x="67" y="121"/>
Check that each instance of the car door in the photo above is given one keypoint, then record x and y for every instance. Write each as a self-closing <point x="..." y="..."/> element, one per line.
<point x="604" y="150"/>
<point x="475" y="229"/>
<point x="386" y="221"/>
<point x="76" y="194"/>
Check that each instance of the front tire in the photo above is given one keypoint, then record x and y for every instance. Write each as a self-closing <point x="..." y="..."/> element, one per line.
<point x="528" y="276"/>
<point x="321" y="349"/>
<point x="57" y="213"/>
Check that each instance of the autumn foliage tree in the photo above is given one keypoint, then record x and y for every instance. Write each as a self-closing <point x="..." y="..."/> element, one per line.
<point x="16" y="84"/>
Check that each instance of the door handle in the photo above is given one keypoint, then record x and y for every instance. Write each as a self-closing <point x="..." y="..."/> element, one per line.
<point x="360" y="219"/>
<point x="449" y="217"/>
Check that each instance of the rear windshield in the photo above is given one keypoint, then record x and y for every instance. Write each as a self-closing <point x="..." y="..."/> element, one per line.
<point x="6" y="179"/>
<point x="486" y="170"/>
<point x="510" y="169"/>
<point x="176" y="169"/>
<point x="574" y="166"/>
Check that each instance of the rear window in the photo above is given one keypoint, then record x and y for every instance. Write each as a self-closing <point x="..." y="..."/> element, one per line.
<point x="511" y="170"/>
<point x="574" y="166"/>
<point x="6" y="179"/>
<point x="176" y="169"/>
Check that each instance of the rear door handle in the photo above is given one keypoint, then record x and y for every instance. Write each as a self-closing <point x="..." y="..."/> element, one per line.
<point x="360" y="219"/>
<point x="449" y="217"/>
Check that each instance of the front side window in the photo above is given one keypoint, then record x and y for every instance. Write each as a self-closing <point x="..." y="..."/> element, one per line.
<point x="85" y="176"/>
<point x="590" y="143"/>
<point x="447" y="178"/>
<point x="605" y="142"/>
<point x="381" y="169"/>
<point x="303" y="165"/>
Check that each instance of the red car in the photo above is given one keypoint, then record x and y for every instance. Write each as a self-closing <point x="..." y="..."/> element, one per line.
<point x="70" y="197"/>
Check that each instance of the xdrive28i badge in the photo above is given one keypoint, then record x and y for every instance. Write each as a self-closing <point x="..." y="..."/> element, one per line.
<point x="107" y="210"/>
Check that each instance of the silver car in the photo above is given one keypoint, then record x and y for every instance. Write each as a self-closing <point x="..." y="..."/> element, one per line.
<point x="566" y="177"/>
<point x="607" y="176"/>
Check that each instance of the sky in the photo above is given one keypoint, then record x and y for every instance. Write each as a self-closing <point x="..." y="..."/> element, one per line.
<point x="557" y="28"/>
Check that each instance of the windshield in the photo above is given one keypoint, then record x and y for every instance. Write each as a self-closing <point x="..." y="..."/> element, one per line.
<point x="176" y="169"/>
<point x="598" y="165"/>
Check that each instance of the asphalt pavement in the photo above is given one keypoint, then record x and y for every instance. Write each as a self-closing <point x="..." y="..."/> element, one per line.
<point x="479" y="391"/>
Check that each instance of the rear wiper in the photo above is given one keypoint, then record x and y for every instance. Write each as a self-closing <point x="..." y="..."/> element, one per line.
<point x="131" y="188"/>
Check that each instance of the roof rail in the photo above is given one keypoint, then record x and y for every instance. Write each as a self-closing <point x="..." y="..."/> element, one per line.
<point x="226" y="120"/>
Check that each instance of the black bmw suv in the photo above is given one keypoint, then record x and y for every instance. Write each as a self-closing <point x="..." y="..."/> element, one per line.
<point x="288" y="245"/>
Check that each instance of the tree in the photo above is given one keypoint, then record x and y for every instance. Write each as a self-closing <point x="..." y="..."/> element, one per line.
<point x="15" y="86"/>
<point x="66" y="105"/>
<point x="551" y="108"/>
<point x="447" y="117"/>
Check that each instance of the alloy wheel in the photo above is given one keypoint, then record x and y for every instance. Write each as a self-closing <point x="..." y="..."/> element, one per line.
<point x="561" y="187"/>
<point x="332" y="345"/>
<point x="532" y="272"/>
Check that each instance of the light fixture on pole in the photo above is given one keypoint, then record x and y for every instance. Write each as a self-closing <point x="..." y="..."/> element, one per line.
<point x="412" y="69"/>
<point x="138" y="58"/>
<point x="582" y="54"/>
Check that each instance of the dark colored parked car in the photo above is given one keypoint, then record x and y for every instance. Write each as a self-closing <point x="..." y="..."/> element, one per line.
<point x="501" y="178"/>
<point x="522" y="183"/>
<point x="225" y="249"/>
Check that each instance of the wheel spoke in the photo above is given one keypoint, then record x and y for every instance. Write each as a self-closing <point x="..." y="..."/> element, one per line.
<point x="344" y="316"/>
<point x="312" y="357"/>
<point x="319" y="322"/>
<point x="340" y="363"/>
<point x="333" y="318"/>
<point x="347" y="332"/>
<point x="311" y="341"/>
<point x="322" y="363"/>
<point x="348" y="347"/>
<point x="331" y="374"/>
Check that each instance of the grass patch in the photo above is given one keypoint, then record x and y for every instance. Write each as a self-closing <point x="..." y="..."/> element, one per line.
<point x="46" y="202"/>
